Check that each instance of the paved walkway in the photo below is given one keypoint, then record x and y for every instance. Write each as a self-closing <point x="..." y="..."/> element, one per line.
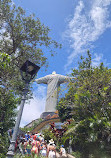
<point x="18" y="155"/>
<point x="68" y="156"/>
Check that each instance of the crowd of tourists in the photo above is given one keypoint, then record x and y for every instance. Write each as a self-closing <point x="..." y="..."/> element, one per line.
<point x="36" y="146"/>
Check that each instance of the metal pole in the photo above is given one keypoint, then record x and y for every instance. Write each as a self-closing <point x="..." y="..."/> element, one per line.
<point x="70" y="148"/>
<point x="11" y="149"/>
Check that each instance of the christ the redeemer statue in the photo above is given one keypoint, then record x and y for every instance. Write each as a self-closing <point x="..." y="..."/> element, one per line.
<point x="53" y="81"/>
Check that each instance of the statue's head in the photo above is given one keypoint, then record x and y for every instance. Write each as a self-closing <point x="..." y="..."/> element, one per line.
<point x="53" y="73"/>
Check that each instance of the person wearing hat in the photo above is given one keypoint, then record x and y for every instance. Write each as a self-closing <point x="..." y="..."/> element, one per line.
<point x="63" y="152"/>
<point x="51" y="150"/>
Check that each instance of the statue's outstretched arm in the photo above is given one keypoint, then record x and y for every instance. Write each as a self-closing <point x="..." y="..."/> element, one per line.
<point x="63" y="79"/>
<point x="42" y="80"/>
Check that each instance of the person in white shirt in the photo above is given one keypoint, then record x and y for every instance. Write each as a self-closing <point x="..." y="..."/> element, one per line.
<point x="51" y="150"/>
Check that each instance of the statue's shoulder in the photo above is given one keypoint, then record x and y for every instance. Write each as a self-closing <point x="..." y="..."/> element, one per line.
<point x="54" y="75"/>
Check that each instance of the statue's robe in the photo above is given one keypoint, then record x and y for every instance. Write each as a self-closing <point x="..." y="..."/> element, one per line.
<point x="53" y="81"/>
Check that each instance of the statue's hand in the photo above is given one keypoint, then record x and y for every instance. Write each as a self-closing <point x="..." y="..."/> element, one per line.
<point x="32" y="81"/>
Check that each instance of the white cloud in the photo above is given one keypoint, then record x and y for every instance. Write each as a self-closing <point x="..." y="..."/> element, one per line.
<point x="35" y="107"/>
<point x="98" y="58"/>
<point x="87" y="25"/>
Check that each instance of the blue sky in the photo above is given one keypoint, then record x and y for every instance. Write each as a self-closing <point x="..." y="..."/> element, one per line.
<point x="78" y="25"/>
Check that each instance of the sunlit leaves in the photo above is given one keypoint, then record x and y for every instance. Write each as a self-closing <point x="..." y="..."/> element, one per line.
<point x="24" y="35"/>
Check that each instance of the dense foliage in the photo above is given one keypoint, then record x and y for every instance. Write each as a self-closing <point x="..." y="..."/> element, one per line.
<point x="89" y="97"/>
<point x="8" y="103"/>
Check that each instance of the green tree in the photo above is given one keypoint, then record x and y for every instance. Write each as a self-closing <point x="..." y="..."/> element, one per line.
<point x="22" y="37"/>
<point x="8" y="104"/>
<point x="89" y="97"/>
<point x="48" y="134"/>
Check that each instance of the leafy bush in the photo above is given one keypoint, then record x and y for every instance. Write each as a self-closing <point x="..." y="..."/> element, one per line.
<point x="77" y="154"/>
<point x="4" y="143"/>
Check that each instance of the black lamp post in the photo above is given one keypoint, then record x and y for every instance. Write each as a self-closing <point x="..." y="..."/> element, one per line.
<point x="28" y="72"/>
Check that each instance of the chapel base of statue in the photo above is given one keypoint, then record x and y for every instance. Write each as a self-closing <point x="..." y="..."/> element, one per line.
<point x="44" y="115"/>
